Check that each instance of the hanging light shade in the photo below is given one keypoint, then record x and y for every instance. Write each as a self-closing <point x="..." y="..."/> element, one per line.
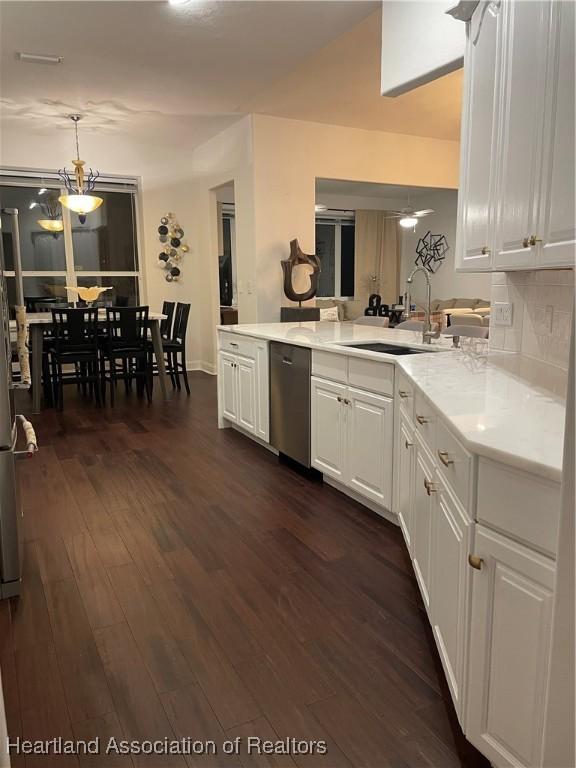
<point x="79" y="186"/>
<point x="51" y="225"/>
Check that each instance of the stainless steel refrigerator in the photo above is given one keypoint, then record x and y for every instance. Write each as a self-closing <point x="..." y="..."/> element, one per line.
<point x="10" y="425"/>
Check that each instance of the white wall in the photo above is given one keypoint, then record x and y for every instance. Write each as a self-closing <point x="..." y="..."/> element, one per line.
<point x="446" y="283"/>
<point x="290" y="155"/>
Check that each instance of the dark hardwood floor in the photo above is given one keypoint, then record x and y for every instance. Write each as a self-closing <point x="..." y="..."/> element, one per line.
<point x="179" y="581"/>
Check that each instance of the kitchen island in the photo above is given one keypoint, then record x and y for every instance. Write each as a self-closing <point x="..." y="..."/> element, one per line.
<point x="463" y="449"/>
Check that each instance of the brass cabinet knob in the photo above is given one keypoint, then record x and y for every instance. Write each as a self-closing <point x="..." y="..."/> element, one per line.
<point x="429" y="486"/>
<point x="408" y="444"/>
<point x="475" y="562"/>
<point x="445" y="458"/>
<point x="422" y="419"/>
<point x="534" y="239"/>
<point x="485" y="250"/>
<point x="339" y="399"/>
<point x="403" y="394"/>
<point x="526" y="242"/>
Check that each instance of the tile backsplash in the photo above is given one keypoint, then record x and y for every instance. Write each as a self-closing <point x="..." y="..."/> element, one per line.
<point x="541" y="316"/>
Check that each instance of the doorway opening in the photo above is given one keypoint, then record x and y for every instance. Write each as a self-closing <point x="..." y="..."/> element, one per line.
<point x="227" y="263"/>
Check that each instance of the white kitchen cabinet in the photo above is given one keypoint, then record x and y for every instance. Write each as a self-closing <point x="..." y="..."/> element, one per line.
<point x="243" y="385"/>
<point x="516" y="207"/>
<point x="509" y="650"/>
<point x="351" y="438"/>
<point x="556" y="221"/>
<point x="522" y="95"/>
<point x="370" y="431"/>
<point x="405" y="450"/>
<point x="449" y="580"/>
<point x="246" y="380"/>
<point x="328" y="428"/>
<point x="423" y="490"/>
<point x="228" y="388"/>
<point x="478" y="167"/>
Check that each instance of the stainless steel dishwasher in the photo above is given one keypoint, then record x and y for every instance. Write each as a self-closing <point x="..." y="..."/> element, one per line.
<point x="290" y="401"/>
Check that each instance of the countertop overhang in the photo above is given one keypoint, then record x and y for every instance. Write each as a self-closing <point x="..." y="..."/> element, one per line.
<point x="502" y="405"/>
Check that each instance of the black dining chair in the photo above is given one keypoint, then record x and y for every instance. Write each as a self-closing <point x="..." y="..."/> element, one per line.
<point x="124" y="348"/>
<point x="175" y="347"/>
<point x="166" y="324"/>
<point x="46" y="307"/>
<point x="75" y="343"/>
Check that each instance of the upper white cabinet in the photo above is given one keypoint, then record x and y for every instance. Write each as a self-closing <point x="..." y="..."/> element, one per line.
<point x="556" y="225"/>
<point x="517" y="161"/>
<point x="478" y="148"/>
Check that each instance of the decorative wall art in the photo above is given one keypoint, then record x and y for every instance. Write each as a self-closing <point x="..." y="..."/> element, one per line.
<point x="297" y="256"/>
<point x="171" y="235"/>
<point x="431" y="250"/>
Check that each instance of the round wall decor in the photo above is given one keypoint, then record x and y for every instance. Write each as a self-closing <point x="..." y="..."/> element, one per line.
<point x="171" y="235"/>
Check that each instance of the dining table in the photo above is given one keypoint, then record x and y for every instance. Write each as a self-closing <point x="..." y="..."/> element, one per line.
<point x="39" y="322"/>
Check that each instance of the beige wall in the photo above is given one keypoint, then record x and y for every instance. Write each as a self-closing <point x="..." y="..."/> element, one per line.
<point x="288" y="157"/>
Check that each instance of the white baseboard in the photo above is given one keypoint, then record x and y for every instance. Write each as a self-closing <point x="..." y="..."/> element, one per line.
<point x="201" y="365"/>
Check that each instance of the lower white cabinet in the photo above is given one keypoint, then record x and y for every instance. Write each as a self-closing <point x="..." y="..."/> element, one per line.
<point x="510" y="633"/>
<point x="351" y="438"/>
<point x="423" y="484"/>
<point x="405" y="451"/>
<point x="328" y="428"/>
<point x="243" y="388"/>
<point x="449" y="585"/>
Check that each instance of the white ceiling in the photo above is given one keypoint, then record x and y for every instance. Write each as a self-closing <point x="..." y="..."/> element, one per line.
<point x="139" y="63"/>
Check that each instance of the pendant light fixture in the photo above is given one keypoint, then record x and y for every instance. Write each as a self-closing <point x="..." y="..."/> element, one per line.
<point x="77" y="199"/>
<point x="52" y="221"/>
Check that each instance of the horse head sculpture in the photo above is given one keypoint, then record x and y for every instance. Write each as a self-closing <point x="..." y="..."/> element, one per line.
<point x="297" y="257"/>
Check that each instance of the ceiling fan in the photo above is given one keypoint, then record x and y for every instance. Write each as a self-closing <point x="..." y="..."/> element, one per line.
<point x="408" y="216"/>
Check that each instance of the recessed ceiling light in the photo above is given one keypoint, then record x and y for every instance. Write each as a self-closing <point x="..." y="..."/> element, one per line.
<point x="39" y="58"/>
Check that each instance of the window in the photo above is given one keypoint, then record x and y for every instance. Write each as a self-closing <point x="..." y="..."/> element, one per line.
<point x="102" y="251"/>
<point x="335" y="249"/>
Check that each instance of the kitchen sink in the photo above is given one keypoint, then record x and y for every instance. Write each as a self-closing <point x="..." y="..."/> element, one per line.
<point x="388" y="349"/>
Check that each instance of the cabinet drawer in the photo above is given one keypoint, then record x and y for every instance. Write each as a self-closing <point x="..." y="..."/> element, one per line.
<point x="454" y="462"/>
<point x="404" y="391"/>
<point x="329" y="365"/>
<point x="425" y="421"/>
<point x="372" y="375"/>
<point x="237" y="344"/>
<point x="519" y="504"/>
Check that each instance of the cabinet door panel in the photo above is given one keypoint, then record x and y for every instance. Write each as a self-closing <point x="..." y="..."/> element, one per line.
<point x="476" y="224"/>
<point x="509" y="650"/>
<point x="369" y="450"/>
<point x="246" y="378"/>
<point x="227" y="384"/>
<point x="522" y="105"/>
<point x="404" y="478"/>
<point x="451" y="533"/>
<point x="422" y="522"/>
<point x="328" y="428"/>
<point x="262" y="391"/>
<point x="557" y="219"/>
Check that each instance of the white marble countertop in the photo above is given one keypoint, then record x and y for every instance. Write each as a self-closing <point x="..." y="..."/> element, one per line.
<point x="502" y="405"/>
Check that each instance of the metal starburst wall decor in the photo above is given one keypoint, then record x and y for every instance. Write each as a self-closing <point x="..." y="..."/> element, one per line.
<point x="171" y="235"/>
<point x="431" y="250"/>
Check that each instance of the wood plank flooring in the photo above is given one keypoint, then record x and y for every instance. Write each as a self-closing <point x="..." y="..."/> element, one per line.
<point x="180" y="582"/>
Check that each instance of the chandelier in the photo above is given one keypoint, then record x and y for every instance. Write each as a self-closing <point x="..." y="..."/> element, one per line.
<point x="77" y="199"/>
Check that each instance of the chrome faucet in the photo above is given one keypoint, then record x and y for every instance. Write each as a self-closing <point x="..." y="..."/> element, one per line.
<point x="427" y="334"/>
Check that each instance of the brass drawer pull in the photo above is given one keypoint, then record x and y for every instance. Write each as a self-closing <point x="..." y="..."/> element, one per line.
<point x="429" y="486"/>
<point x="534" y="239"/>
<point x="526" y="242"/>
<point x="475" y="562"/>
<point x="233" y="344"/>
<point x="408" y="444"/>
<point x="444" y="458"/>
<point x="485" y="250"/>
<point x="403" y="393"/>
<point x="422" y="419"/>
